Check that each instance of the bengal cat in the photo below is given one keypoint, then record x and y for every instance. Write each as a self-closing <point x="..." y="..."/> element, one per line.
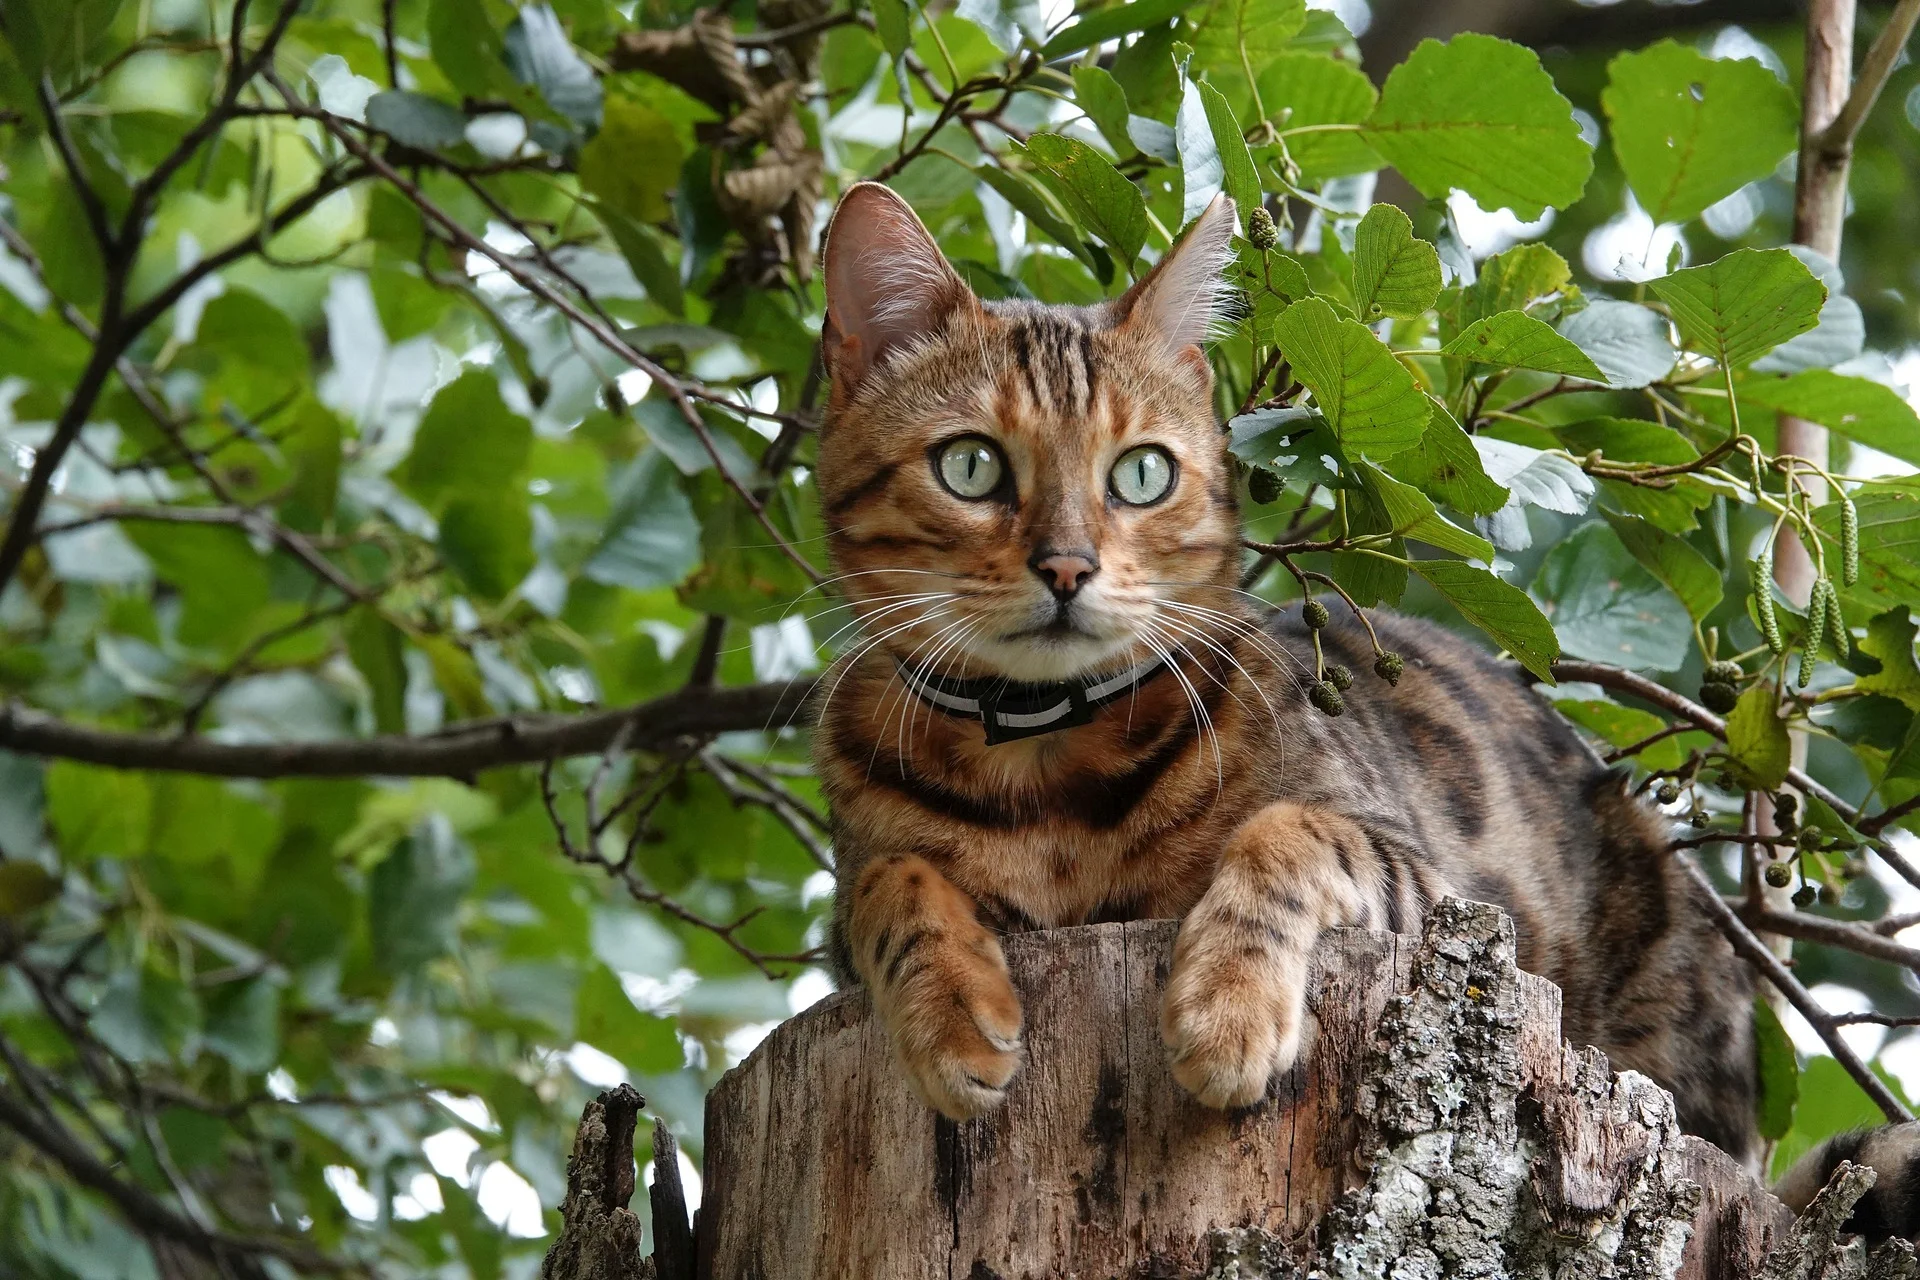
<point x="1064" y="710"/>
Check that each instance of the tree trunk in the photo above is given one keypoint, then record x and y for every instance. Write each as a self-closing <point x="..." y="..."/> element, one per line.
<point x="1440" y="1127"/>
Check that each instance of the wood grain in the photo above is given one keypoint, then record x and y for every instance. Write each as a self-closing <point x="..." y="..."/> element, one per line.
<point x="821" y="1166"/>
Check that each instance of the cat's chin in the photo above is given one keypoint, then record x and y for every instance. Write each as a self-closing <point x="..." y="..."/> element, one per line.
<point x="1048" y="656"/>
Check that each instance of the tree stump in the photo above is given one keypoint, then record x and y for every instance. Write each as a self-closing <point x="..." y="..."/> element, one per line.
<point x="1438" y="1127"/>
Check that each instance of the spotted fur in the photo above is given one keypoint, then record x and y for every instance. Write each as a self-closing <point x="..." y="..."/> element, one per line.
<point x="1214" y="793"/>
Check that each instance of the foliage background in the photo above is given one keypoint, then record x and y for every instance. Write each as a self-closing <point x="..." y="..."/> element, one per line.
<point x="465" y="371"/>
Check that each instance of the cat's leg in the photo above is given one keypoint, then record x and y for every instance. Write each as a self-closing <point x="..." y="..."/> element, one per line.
<point x="939" y="984"/>
<point x="1233" y="1005"/>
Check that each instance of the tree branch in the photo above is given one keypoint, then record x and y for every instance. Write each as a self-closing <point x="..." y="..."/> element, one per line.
<point x="1837" y="138"/>
<point x="1755" y="952"/>
<point x="459" y="752"/>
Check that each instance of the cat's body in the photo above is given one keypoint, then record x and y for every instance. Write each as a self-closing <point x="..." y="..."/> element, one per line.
<point x="1043" y="495"/>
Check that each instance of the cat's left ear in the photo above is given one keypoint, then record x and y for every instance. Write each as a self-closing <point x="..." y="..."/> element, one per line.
<point x="1179" y="301"/>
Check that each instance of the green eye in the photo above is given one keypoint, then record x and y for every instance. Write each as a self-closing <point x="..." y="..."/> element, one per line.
<point x="969" y="467"/>
<point x="1143" y="475"/>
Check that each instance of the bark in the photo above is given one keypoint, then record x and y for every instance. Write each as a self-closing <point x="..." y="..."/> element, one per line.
<point x="1440" y="1127"/>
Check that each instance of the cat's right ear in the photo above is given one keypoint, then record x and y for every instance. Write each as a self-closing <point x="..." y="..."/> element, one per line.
<point x="888" y="285"/>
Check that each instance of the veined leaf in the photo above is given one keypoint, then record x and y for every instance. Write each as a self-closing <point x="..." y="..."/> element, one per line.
<point x="1626" y="340"/>
<point x="1742" y="306"/>
<point x="1498" y="608"/>
<point x="1690" y="130"/>
<point x="1411" y="515"/>
<point x="1105" y="102"/>
<point x="1103" y="200"/>
<point x="1394" y="272"/>
<point x="1684" y="571"/>
<point x="1023" y="194"/>
<point x="1364" y="391"/>
<point x="1516" y="340"/>
<point x="1757" y="739"/>
<point x="1481" y="114"/>
<point x="1237" y="176"/>
<point x="1107" y="24"/>
<point x="1606" y="607"/>
<point x="1309" y="90"/>
<point x="1859" y="408"/>
<point x="1779" y="1072"/>
<point x="1447" y="466"/>
<point x="1236" y="33"/>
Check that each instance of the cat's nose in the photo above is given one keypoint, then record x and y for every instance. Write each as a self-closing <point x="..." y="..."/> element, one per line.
<point x="1064" y="572"/>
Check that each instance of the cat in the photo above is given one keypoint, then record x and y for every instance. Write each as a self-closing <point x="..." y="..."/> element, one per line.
<point x="1064" y="710"/>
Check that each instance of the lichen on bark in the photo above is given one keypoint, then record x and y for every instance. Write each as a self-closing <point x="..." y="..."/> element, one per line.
<point x="1472" y="1173"/>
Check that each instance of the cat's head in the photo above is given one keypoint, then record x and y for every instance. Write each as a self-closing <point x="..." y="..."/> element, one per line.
<point x="1014" y="489"/>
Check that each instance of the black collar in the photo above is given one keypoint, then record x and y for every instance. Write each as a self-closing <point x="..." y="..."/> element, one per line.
<point x="1013" y="709"/>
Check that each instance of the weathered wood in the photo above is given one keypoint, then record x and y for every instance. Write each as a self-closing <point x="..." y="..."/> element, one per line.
<point x="600" y="1238"/>
<point x="820" y="1165"/>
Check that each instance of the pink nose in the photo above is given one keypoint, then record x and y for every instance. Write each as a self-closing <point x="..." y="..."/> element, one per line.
<point x="1065" y="572"/>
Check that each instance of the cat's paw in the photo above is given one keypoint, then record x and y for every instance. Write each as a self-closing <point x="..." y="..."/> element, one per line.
<point x="955" y="1023"/>
<point x="1231" y="1015"/>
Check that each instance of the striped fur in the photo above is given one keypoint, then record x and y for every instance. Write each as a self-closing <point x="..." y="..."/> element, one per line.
<point x="1214" y="794"/>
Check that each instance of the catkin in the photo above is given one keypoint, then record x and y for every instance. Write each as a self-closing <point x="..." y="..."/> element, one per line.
<point x="1837" y="624"/>
<point x="1816" y="624"/>
<point x="1849" y="541"/>
<point x="1763" y="600"/>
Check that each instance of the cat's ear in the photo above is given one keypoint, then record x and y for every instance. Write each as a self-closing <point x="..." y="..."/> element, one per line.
<point x="1180" y="300"/>
<point x="888" y="285"/>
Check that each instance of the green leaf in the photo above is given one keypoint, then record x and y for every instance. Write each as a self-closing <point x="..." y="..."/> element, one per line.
<point x="468" y="442"/>
<point x="243" y="1025"/>
<point x="1829" y="1103"/>
<point x="538" y="53"/>
<point x="25" y="886"/>
<point x="487" y="539"/>
<point x="377" y="650"/>
<point x="1104" y="201"/>
<point x="1447" y="466"/>
<point x="223" y="582"/>
<point x="652" y="538"/>
<point x="604" y="1017"/>
<point x="1690" y="130"/>
<point x="1369" y="579"/>
<point x="1779" y="1071"/>
<point x="1740" y="307"/>
<point x="1024" y="194"/>
<point x="1213" y="154"/>
<point x="413" y="894"/>
<point x="1394" y="272"/>
<point x="1481" y="114"/>
<point x="1006" y="22"/>
<point x="1237" y="176"/>
<point x="1235" y="33"/>
<point x="893" y="20"/>
<point x="1889" y="640"/>
<point x="1624" y="727"/>
<point x="1410" y="515"/>
<point x="146" y="1016"/>
<point x="1684" y="571"/>
<point x="1859" y="408"/>
<point x="633" y="163"/>
<point x="1626" y="340"/>
<point x="1311" y="90"/>
<point x="1757" y="739"/>
<point x="1517" y="280"/>
<point x="1099" y="95"/>
<point x="1516" y="340"/>
<point x="97" y="812"/>
<point x="1365" y="392"/>
<point x="416" y="120"/>
<point x="1605" y="607"/>
<point x="467" y="48"/>
<point x="1107" y="24"/>
<point x="655" y="266"/>
<point x="1498" y="608"/>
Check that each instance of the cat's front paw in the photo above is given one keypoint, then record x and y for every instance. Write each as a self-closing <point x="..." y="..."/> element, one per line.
<point x="955" y="1023"/>
<point x="1231" y="1014"/>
